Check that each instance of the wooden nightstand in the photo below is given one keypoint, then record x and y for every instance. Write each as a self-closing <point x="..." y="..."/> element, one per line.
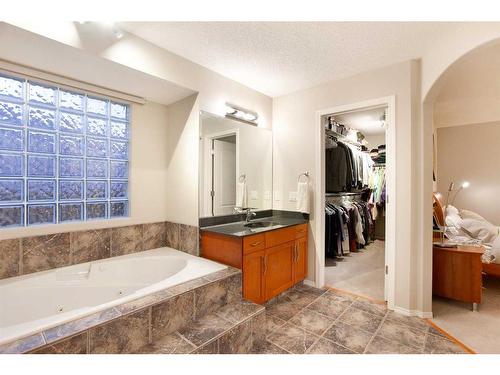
<point x="457" y="273"/>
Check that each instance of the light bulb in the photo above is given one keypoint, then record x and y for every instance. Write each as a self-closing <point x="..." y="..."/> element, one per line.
<point x="465" y="184"/>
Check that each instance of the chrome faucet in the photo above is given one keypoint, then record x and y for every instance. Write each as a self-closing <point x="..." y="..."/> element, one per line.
<point x="250" y="214"/>
<point x="248" y="211"/>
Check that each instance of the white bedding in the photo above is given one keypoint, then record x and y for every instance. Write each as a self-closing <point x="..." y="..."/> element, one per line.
<point x="468" y="227"/>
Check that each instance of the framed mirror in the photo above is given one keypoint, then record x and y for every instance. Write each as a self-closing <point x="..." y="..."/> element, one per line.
<point x="235" y="170"/>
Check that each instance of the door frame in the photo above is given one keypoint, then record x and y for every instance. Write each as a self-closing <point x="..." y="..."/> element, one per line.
<point x="207" y="162"/>
<point x="319" y="201"/>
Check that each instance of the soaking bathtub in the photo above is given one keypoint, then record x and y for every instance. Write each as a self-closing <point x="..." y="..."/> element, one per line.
<point x="35" y="302"/>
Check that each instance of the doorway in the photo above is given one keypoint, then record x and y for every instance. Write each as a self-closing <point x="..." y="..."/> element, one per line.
<point x="220" y="171"/>
<point x="366" y="265"/>
<point x="223" y="175"/>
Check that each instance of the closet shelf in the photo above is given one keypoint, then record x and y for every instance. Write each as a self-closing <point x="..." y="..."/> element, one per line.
<point x="341" y="137"/>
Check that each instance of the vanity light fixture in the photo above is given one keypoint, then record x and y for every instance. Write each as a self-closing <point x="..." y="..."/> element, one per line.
<point x="241" y="114"/>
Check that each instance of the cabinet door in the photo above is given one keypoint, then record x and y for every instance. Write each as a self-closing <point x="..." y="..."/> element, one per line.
<point x="253" y="277"/>
<point x="278" y="265"/>
<point x="300" y="264"/>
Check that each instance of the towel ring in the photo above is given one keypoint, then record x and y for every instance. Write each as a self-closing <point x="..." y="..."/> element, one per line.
<point x="242" y="177"/>
<point x="306" y="174"/>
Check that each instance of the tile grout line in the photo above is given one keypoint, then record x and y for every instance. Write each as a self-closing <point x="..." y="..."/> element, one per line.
<point x="336" y="320"/>
<point x="401" y="324"/>
<point x="20" y="269"/>
<point x="217" y="337"/>
<point x="289" y="321"/>
<point x="376" y="332"/>
<point x="322" y="336"/>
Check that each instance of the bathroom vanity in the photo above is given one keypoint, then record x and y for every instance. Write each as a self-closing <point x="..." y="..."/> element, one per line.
<point x="269" y="246"/>
<point x="271" y="252"/>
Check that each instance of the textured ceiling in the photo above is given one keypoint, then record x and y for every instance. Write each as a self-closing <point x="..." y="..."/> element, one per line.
<point x="277" y="58"/>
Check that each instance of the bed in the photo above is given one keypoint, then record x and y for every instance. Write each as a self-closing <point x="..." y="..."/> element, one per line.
<point x="467" y="226"/>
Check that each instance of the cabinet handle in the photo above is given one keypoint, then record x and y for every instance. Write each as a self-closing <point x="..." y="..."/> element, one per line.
<point x="256" y="243"/>
<point x="294" y="252"/>
<point x="265" y="264"/>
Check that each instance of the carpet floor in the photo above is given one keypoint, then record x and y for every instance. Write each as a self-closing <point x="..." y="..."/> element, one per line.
<point x="361" y="273"/>
<point x="479" y="330"/>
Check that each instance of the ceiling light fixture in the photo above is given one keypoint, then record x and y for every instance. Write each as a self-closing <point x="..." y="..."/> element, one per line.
<point x="118" y="33"/>
<point x="241" y="114"/>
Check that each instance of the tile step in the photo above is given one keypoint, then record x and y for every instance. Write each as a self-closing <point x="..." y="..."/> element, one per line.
<point x="238" y="327"/>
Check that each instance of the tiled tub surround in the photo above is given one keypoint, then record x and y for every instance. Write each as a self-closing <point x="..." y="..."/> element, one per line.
<point x="236" y="328"/>
<point x="38" y="301"/>
<point x="317" y="321"/>
<point x="131" y="326"/>
<point x="26" y="255"/>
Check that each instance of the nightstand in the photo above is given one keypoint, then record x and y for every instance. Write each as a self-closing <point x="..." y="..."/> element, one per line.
<point x="457" y="273"/>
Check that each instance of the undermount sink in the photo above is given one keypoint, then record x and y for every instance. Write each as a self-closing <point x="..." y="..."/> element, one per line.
<point x="259" y="224"/>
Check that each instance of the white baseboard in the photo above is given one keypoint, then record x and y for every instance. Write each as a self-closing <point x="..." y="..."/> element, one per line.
<point x="407" y="312"/>
<point x="310" y="283"/>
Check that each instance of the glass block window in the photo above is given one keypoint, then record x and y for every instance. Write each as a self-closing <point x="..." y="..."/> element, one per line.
<point x="63" y="155"/>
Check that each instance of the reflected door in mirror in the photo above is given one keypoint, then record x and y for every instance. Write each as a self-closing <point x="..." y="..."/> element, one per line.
<point x="224" y="176"/>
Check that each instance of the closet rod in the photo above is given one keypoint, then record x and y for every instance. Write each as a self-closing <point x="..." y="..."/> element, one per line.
<point x="346" y="194"/>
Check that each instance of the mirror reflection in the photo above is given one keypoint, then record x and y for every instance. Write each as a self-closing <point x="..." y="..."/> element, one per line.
<point x="235" y="166"/>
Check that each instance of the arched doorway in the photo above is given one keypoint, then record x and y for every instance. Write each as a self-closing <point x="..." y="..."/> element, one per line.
<point x="463" y="96"/>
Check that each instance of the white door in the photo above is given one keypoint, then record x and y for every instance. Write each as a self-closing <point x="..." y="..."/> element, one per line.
<point x="224" y="176"/>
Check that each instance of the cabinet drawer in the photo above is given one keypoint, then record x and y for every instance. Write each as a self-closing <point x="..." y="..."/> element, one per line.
<point x="279" y="236"/>
<point x="301" y="230"/>
<point x="254" y="243"/>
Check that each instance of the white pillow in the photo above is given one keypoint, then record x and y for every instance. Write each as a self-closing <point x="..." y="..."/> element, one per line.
<point x="466" y="214"/>
<point x="480" y="229"/>
<point x="453" y="219"/>
<point x="451" y="210"/>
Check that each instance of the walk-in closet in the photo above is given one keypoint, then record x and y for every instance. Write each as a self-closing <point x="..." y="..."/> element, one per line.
<point x="355" y="198"/>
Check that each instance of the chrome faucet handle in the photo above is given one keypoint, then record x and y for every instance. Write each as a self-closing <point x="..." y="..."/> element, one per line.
<point x="250" y="214"/>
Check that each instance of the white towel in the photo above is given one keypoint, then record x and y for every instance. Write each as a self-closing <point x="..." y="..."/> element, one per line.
<point x="303" y="197"/>
<point x="241" y="194"/>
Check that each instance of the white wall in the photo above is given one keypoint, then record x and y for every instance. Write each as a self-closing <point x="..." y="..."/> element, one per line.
<point x="471" y="92"/>
<point x="294" y="126"/>
<point x="470" y="153"/>
<point x="182" y="161"/>
<point x="375" y="140"/>
<point x="148" y="176"/>
<point x="447" y="48"/>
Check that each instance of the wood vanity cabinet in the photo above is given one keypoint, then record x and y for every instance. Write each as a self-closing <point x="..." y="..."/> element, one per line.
<point x="271" y="262"/>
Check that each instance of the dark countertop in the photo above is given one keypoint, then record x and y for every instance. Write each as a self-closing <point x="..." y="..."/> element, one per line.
<point x="238" y="229"/>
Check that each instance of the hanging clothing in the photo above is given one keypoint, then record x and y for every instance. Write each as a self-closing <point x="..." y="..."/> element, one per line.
<point x="336" y="166"/>
<point x="347" y="227"/>
<point x="377" y="184"/>
<point x="347" y="168"/>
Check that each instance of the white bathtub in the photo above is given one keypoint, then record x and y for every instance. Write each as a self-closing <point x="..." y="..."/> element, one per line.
<point x="32" y="303"/>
